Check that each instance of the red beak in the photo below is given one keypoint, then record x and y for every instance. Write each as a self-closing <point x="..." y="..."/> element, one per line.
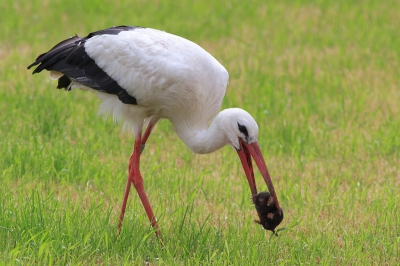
<point x="245" y="153"/>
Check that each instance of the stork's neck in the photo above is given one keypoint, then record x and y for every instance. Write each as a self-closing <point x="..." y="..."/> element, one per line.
<point x="202" y="139"/>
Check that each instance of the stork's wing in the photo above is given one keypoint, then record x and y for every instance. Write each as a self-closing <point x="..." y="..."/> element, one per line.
<point x="70" y="58"/>
<point x="141" y="66"/>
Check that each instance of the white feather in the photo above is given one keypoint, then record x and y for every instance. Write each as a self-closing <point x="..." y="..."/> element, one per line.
<point x="55" y="75"/>
<point x="164" y="72"/>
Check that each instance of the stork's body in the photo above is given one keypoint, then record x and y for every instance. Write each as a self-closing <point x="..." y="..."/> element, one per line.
<point x="144" y="74"/>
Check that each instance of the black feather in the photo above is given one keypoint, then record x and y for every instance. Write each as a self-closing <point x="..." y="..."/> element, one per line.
<point x="243" y="129"/>
<point x="70" y="58"/>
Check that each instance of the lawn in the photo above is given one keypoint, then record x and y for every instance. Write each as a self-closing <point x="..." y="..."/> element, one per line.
<point x="322" y="80"/>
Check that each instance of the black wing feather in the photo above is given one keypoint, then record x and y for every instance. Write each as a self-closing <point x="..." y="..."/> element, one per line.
<point x="70" y="58"/>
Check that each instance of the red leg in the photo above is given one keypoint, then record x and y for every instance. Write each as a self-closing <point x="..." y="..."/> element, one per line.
<point x="128" y="182"/>
<point x="121" y="215"/>
<point x="146" y="134"/>
<point x="136" y="179"/>
<point x="126" y="194"/>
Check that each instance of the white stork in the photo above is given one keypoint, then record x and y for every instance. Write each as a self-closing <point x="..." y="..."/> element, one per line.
<point x="143" y="74"/>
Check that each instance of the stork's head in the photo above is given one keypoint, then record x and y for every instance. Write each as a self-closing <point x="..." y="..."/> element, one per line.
<point x="242" y="132"/>
<point x="239" y="126"/>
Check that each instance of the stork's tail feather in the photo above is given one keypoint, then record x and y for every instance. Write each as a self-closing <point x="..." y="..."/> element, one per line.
<point x="59" y="51"/>
<point x="74" y="68"/>
<point x="55" y="58"/>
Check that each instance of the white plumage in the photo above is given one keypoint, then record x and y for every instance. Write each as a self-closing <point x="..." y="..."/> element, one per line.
<point x="145" y="74"/>
<point x="166" y="74"/>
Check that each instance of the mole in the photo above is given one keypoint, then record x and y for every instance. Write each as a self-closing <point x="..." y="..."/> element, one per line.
<point x="267" y="211"/>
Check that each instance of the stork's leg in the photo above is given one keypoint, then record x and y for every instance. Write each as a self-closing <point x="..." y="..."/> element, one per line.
<point x="126" y="194"/>
<point x="147" y="134"/>
<point x="136" y="179"/>
<point x="129" y="181"/>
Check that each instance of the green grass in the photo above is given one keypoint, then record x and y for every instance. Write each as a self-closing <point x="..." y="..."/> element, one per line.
<point x="322" y="80"/>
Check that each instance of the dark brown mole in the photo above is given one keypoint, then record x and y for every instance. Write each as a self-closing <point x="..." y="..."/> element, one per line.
<point x="267" y="211"/>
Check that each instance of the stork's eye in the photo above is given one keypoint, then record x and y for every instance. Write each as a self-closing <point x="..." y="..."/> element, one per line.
<point x="243" y="129"/>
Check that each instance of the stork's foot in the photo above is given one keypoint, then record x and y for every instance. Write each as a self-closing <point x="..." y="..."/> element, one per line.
<point x="270" y="216"/>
